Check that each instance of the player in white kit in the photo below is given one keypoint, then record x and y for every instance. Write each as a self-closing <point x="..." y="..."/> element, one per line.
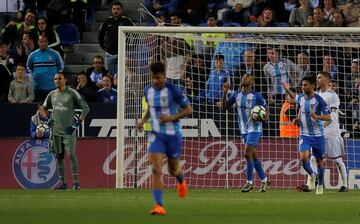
<point x="334" y="145"/>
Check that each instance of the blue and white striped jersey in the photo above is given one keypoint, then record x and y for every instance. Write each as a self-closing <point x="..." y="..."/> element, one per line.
<point x="308" y="125"/>
<point x="244" y="104"/>
<point x="167" y="100"/>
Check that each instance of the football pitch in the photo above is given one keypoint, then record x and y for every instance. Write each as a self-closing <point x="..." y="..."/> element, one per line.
<point x="201" y="206"/>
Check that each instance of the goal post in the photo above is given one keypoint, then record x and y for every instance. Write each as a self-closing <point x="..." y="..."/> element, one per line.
<point x="212" y="151"/>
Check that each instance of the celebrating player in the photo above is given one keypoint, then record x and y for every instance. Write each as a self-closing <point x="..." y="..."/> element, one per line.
<point x="313" y="111"/>
<point x="64" y="100"/>
<point x="251" y="129"/>
<point x="163" y="101"/>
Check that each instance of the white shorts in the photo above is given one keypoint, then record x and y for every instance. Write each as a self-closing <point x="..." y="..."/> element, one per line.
<point x="334" y="147"/>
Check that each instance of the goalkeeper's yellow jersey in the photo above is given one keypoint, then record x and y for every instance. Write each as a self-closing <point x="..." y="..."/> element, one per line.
<point x="144" y="108"/>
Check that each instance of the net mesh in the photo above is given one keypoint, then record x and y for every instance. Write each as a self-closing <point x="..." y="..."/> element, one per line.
<point x="213" y="155"/>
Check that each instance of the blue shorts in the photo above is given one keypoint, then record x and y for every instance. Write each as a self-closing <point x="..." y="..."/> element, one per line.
<point x="166" y="144"/>
<point x="251" y="138"/>
<point x="316" y="144"/>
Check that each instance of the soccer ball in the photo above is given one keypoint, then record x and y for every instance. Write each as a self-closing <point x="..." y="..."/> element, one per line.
<point x="258" y="112"/>
<point x="42" y="127"/>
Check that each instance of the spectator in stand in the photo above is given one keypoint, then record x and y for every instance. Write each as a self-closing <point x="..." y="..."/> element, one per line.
<point x="160" y="18"/>
<point x="97" y="71"/>
<point x="351" y="85"/>
<point x="329" y="7"/>
<point x="107" y="94"/>
<point x="319" y="20"/>
<point x="310" y="20"/>
<point x="78" y="13"/>
<point x="166" y="5"/>
<point x="29" y="44"/>
<point x="329" y="66"/>
<point x="13" y="32"/>
<point x="38" y="6"/>
<point x="5" y="58"/>
<point x="303" y="68"/>
<point x="240" y="11"/>
<point x="278" y="70"/>
<point x="251" y="66"/>
<point x="338" y="19"/>
<point x="217" y="78"/>
<point x="194" y="11"/>
<point x="351" y="13"/>
<point x="267" y="18"/>
<point x="108" y="35"/>
<point x="58" y="11"/>
<point x="44" y="63"/>
<point x="195" y="74"/>
<point x="5" y="80"/>
<point x="41" y="117"/>
<point x="85" y="87"/>
<point x="300" y="14"/>
<point x="50" y="32"/>
<point x="8" y="11"/>
<point x="21" y="90"/>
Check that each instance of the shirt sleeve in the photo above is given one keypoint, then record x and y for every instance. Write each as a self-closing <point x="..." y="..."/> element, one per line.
<point x="231" y="100"/>
<point x="260" y="100"/>
<point x="81" y="103"/>
<point x="180" y="98"/>
<point x="322" y="106"/>
<point x="47" y="103"/>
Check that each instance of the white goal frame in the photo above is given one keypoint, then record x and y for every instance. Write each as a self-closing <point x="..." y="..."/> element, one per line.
<point x="123" y="30"/>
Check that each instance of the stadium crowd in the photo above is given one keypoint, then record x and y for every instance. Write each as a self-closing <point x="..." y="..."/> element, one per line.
<point x="31" y="52"/>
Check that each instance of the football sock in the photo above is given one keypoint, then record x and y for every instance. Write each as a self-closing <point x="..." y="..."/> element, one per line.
<point x="321" y="171"/>
<point x="307" y="167"/>
<point x="158" y="193"/>
<point x="180" y="178"/>
<point x="74" y="167"/>
<point x="259" y="169"/>
<point x="313" y="164"/>
<point x="342" y="170"/>
<point x="61" y="170"/>
<point x="249" y="170"/>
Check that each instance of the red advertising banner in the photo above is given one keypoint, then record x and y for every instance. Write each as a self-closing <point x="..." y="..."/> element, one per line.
<point x="207" y="163"/>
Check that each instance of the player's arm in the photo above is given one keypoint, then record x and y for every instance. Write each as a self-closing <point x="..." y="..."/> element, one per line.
<point x="226" y="88"/>
<point x="287" y="89"/>
<point x="325" y="116"/>
<point x="140" y="124"/>
<point x="32" y="129"/>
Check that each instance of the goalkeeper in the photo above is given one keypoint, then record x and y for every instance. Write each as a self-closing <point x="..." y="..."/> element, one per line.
<point x="64" y="100"/>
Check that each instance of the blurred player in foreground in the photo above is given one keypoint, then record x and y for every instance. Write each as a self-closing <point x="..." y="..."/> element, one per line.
<point x="312" y="114"/>
<point x="165" y="138"/>
<point x="64" y="100"/>
<point x="250" y="127"/>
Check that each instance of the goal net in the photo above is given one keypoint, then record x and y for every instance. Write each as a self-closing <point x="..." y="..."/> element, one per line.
<point x="199" y="60"/>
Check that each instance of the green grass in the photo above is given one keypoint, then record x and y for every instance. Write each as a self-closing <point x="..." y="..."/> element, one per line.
<point x="201" y="206"/>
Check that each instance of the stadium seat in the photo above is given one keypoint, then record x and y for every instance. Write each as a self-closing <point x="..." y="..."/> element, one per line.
<point x="282" y="24"/>
<point x="232" y="24"/>
<point x="68" y="34"/>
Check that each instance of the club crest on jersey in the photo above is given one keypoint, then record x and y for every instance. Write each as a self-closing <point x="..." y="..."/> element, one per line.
<point x="33" y="166"/>
<point x="163" y="99"/>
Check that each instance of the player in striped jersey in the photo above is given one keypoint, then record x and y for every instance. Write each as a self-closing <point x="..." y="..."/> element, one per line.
<point x="250" y="129"/>
<point x="312" y="114"/>
<point x="164" y="100"/>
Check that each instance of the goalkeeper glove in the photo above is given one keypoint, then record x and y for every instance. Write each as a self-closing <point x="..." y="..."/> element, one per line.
<point x="70" y="130"/>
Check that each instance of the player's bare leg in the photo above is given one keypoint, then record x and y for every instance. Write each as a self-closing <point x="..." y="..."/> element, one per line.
<point x="305" y="155"/>
<point x="176" y="171"/>
<point x="156" y="161"/>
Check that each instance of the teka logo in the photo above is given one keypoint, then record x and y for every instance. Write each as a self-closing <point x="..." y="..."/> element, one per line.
<point x="33" y="166"/>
